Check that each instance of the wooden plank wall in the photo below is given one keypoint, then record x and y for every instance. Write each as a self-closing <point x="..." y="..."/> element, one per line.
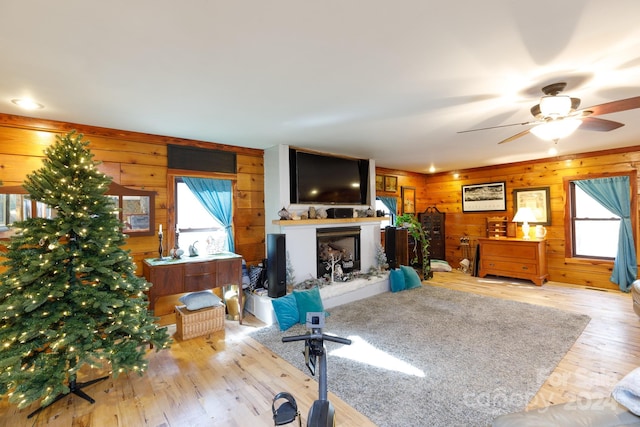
<point x="139" y="161"/>
<point x="443" y="190"/>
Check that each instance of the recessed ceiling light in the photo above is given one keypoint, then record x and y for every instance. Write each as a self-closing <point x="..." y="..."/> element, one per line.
<point x="432" y="169"/>
<point x="27" y="104"/>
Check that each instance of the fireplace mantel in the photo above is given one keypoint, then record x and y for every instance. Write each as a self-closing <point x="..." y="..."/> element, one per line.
<point x="327" y="221"/>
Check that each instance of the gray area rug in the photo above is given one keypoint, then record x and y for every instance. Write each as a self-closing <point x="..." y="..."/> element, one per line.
<point x="437" y="357"/>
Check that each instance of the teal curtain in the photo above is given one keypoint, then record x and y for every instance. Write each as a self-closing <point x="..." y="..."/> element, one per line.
<point x="390" y="203"/>
<point x="613" y="194"/>
<point x="215" y="196"/>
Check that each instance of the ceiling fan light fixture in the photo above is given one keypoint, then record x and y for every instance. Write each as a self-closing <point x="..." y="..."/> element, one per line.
<point x="555" y="106"/>
<point x="27" y="103"/>
<point x="556" y="129"/>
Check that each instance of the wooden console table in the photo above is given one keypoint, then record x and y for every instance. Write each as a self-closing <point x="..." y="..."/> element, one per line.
<point x="511" y="257"/>
<point x="189" y="274"/>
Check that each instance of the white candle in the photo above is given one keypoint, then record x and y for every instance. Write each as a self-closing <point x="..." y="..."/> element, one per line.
<point x="160" y="229"/>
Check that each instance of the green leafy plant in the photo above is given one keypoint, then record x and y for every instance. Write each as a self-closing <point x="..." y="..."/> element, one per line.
<point x="410" y="222"/>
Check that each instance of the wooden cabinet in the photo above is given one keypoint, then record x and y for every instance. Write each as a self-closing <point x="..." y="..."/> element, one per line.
<point x="170" y="276"/>
<point x="432" y="220"/>
<point x="510" y="257"/>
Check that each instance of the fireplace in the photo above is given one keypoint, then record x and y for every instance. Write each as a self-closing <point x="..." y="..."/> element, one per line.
<point x="339" y="247"/>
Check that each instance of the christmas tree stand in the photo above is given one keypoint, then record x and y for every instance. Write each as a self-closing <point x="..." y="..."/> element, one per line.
<point x="75" y="388"/>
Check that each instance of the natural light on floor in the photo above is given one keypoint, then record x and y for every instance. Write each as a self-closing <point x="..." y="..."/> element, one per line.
<point x="362" y="351"/>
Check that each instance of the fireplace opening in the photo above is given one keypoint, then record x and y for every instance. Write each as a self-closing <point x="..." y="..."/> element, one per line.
<point x="338" y="247"/>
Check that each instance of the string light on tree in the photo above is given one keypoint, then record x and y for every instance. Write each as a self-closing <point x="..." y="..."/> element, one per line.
<point x="79" y="263"/>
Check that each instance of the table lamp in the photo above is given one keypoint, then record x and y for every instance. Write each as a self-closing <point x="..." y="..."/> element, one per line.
<point x="524" y="215"/>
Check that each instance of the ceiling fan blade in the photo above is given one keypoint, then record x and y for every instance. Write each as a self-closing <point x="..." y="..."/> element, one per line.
<point x="496" y="127"/>
<point x="601" y="125"/>
<point x="516" y="136"/>
<point x="615" y="106"/>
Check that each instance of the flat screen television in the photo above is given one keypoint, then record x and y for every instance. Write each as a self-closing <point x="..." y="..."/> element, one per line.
<point x="328" y="180"/>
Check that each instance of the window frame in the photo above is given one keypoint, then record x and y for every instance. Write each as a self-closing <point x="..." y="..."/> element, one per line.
<point x="173" y="175"/>
<point x="569" y="224"/>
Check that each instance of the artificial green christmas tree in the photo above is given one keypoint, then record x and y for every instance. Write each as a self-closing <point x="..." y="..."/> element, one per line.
<point x="70" y="296"/>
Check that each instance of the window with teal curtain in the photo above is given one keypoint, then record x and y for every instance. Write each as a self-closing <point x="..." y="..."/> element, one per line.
<point x="614" y="194"/>
<point x="390" y="203"/>
<point x="216" y="197"/>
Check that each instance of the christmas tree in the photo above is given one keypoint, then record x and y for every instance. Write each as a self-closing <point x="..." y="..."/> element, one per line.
<point x="70" y="296"/>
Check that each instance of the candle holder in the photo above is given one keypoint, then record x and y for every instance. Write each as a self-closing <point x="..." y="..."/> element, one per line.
<point x="160" y="248"/>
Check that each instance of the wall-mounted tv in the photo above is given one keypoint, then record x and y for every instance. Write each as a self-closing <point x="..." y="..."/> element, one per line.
<point x="328" y="180"/>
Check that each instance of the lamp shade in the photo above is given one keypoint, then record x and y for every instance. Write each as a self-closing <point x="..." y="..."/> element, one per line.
<point x="555" y="106"/>
<point x="524" y="215"/>
<point x="556" y="129"/>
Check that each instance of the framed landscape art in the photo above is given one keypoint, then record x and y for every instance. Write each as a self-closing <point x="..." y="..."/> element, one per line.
<point x="484" y="197"/>
<point x="408" y="200"/>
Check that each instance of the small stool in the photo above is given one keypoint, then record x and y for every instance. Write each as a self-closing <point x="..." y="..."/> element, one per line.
<point x="635" y="295"/>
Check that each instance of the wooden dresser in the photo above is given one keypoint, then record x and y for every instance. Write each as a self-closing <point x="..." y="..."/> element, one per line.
<point x="511" y="257"/>
<point x="189" y="274"/>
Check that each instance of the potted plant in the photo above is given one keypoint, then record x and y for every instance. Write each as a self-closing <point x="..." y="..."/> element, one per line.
<point x="410" y="222"/>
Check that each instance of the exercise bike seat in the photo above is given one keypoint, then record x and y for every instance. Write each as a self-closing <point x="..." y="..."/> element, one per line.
<point x="287" y="411"/>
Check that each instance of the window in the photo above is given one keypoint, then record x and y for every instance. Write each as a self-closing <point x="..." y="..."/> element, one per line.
<point x="380" y="206"/>
<point x="604" y="214"/>
<point x="595" y="228"/>
<point x="196" y="225"/>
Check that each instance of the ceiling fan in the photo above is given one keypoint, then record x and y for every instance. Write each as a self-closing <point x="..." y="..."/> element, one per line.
<point x="557" y="116"/>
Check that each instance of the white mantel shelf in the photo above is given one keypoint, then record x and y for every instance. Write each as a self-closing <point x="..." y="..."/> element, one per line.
<point x="294" y="222"/>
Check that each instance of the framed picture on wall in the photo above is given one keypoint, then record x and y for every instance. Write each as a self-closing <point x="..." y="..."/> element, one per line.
<point x="408" y="200"/>
<point x="379" y="182"/>
<point x="484" y="197"/>
<point x="390" y="183"/>
<point x="536" y="199"/>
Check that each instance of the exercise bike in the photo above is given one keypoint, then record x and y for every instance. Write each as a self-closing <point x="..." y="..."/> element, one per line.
<point x="321" y="413"/>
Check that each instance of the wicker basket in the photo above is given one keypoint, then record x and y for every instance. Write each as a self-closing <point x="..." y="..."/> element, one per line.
<point x="190" y="324"/>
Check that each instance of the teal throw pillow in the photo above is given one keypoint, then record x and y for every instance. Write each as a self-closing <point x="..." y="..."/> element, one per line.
<point x="308" y="301"/>
<point x="411" y="278"/>
<point x="396" y="280"/>
<point x="198" y="300"/>
<point x="286" y="309"/>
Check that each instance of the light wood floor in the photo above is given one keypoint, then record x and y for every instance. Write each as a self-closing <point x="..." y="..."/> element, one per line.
<point x="228" y="379"/>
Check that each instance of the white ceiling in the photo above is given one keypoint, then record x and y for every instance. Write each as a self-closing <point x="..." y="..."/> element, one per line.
<point x="389" y="80"/>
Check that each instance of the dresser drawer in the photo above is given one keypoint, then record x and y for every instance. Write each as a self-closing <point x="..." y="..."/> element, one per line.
<point x="515" y="267"/>
<point x="198" y="268"/>
<point x="512" y="251"/>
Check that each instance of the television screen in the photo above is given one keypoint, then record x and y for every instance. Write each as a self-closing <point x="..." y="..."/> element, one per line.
<point x="322" y="179"/>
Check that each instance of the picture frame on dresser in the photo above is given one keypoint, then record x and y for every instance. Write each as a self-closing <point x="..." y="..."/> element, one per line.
<point x="537" y="199"/>
<point x="484" y="197"/>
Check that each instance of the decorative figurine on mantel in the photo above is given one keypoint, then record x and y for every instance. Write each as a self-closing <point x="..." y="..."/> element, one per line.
<point x="284" y="214"/>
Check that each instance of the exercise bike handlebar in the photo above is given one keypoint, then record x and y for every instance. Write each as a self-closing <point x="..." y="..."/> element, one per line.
<point x="317" y="336"/>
